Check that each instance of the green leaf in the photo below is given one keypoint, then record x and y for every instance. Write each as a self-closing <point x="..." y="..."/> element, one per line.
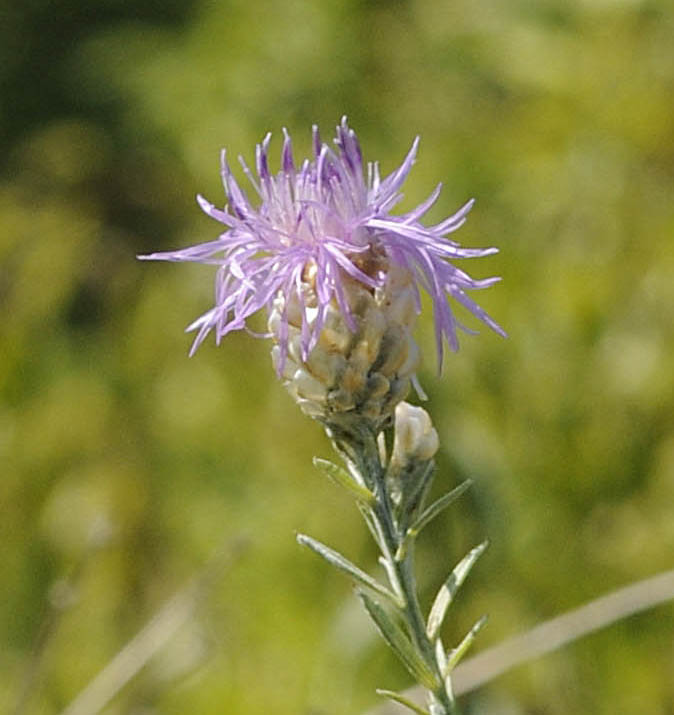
<point x="340" y="476"/>
<point x="400" y="643"/>
<point x="440" y="655"/>
<point x="400" y="698"/>
<point x="373" y="525"/>
<point x="343" y="564"/>
<point x="456" y="654"/>
<point x="438" y="506"/>
<point x="449" y="589"/>
<point x="394" y="580"/>
<point x="415" y="485"/>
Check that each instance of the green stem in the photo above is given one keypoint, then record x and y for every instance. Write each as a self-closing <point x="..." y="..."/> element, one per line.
<point x="383" y="512"/>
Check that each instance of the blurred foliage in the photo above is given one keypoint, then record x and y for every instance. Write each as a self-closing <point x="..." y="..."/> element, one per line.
<point x="125" y="465"/>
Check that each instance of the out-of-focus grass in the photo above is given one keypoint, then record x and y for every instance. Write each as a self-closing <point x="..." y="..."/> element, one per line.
<point x="558" y="117"/>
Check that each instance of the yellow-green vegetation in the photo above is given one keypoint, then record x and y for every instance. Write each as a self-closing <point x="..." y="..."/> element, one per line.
<point x="126" y="465"/>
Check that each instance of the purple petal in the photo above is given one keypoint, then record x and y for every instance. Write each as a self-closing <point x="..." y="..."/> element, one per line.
<point x="287" y="162"/>
<point x="217" y="214"/>
<point x="261" y="151"/>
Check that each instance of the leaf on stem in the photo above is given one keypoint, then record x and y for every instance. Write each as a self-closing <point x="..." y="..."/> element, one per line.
<point x="343" y="564"/>
<point x="393" y="579"/>
<point x="400" y="698"/>
<point x="440" y="655"/>
<point x="344" y="479"/>
<point x="372" y="525"/>
<point x="400" y="643"/>
<point x="456" y="654"/>
<point x="449" y="589"/>
<point x="438" y="506"/>
<point x="415" y="490"/>
<point x="428" y="515"/>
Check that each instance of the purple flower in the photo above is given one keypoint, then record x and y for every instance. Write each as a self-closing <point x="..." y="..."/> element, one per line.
<point x="323" y="218"/>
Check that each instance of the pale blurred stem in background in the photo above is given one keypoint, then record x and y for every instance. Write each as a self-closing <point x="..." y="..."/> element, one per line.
<point x="155" y="635"/>
<point x="552" y="635"/>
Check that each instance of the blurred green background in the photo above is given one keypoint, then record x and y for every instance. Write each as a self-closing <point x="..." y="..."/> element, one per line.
<point x="126" y="465"/>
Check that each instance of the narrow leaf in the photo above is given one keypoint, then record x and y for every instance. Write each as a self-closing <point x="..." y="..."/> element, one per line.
<point x="372" y="525"/>
<point x="393" y="579"/>
<point x="415" y="488"/>
<point x="343" y="564"/>
<point x="381" y="446"/>
<point x="440" y="655"/>
<point x="449" y="589"/>
<point x="429" y="514"/>
<point x="400" y="698"/>
<point x="439" y="506"/>
<point x="344" y="479"/>
<point x="456" y="654"/>
<point x="399" y="643"/>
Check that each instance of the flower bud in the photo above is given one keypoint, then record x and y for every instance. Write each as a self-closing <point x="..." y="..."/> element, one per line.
<point x="415" y="437"/>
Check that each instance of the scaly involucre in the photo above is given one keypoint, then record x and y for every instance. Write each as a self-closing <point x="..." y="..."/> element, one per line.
<point x="320" y="218"/>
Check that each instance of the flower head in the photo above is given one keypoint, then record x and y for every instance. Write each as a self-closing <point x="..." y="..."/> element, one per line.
<point x="318" y="228"/>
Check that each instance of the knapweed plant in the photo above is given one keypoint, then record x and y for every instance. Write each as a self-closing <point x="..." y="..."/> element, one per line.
<point x="340" y="278"/>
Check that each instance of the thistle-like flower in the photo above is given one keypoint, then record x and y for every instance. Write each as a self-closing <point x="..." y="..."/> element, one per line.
<point x="340" y="278"/>
<point x="337" y="272"/>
